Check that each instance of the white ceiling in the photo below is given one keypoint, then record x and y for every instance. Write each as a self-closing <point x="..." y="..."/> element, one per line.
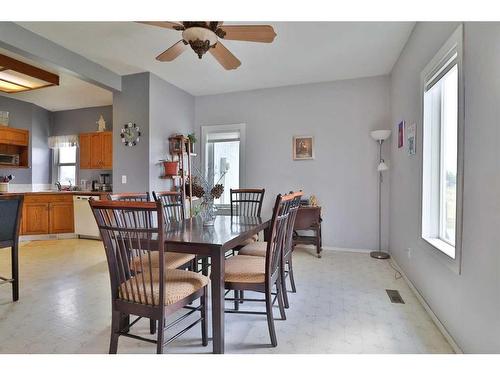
<point x="71" y="93"/>
<point x="303" y="52"/>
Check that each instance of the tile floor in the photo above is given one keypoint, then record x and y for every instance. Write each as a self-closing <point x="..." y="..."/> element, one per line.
<point x="341" y="307"/>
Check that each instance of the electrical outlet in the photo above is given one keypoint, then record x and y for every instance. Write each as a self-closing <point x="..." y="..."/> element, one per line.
<point x="124" y="179"/>
<point x="408" y="251"/>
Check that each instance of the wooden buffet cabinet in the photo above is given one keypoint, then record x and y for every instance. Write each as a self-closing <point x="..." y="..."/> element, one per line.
<point x="96" y="150"/>
<point x="47" y="214"/>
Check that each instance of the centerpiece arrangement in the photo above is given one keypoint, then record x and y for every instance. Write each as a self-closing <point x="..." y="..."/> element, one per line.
<point x="204" y="188"/>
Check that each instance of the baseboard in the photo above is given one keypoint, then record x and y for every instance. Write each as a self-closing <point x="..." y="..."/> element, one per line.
<point x="427" y="308"/>
<point x="39" y="237"/>
<point x="346" y="249"/>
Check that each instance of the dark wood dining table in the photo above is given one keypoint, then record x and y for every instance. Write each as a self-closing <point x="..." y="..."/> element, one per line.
<point x="191" y="236"/>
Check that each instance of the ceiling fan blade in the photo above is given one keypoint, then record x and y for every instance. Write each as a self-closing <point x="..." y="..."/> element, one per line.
<point x="172" y="52"/>
<point x="249" y="33"/>
<point x="164" y="24"/>
<point x="224" y="56"/>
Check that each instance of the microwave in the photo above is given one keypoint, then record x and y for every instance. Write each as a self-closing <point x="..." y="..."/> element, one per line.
<point x="6" y="159"/>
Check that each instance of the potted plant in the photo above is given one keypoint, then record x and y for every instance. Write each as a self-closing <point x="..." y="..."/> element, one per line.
<point x="192" y="140"/>
<point x="170" y="167"/>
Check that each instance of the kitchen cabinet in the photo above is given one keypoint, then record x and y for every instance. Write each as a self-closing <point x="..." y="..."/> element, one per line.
<point x="13" y="136"/>
<point x="35" y="218"/>
<point x="84" y="146"/>
<point x="107" y="150"/>
<point x="14" y="142"/>
<point x="61" y="217"/>
<point x="47" y="214"/>
<point x="96" y="150"/>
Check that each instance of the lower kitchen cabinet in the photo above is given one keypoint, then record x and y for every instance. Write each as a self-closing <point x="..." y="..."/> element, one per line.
<point x="35" y="218"/>
<point x="61" y="217"/>
<point x="47" y="214"/>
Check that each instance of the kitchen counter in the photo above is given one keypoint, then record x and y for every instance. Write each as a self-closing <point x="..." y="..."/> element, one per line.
<point x="52" y="192"/>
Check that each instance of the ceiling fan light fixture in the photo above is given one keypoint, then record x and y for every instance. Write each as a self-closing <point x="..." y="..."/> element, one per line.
<point x="206" y="36"/>
<point x="200" y="39"/>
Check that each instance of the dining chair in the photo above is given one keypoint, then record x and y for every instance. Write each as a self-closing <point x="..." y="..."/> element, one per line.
<point x="259" y="248"/>
<point x="129" y="197"/>
<point x="11" y="207"/>
<point x="246" y="202"/>
<point x="138" y="288"/>
<point x="262" y="274"/>
<point x="172" y="259"/>
<point x="174" y="210"/>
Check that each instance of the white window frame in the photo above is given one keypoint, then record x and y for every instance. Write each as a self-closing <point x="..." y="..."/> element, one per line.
<point x="435" y="245"/>
<point x="210" y="129"/>
<point x="56" y="165"/>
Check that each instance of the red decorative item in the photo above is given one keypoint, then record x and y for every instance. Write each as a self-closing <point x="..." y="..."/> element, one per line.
<point x="170" y="168"/>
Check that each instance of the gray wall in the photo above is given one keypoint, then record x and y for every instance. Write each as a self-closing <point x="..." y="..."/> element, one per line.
<point x="171" y="111"/>
<point x="160" y="110"/>
<point x="343" y="176"/>
<point x="28" y="116"/>
<point x="131" y="105"/>
<point x="83" y="120"/>
<point x="40" y="152"/>
<point x="468" y="304"/>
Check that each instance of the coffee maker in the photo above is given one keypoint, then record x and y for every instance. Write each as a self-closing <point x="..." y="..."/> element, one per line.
<point x="104" y="183"/>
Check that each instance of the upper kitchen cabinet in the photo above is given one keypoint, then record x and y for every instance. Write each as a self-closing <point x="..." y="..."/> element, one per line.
<point x="14" y="147"/>
<point x="96" y="150"/>
<point x="12" y="136"/>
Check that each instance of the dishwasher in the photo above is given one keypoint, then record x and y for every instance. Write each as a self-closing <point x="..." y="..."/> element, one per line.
<point x="85" y="224"/>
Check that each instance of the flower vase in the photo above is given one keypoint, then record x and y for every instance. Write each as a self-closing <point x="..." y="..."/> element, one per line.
<point x="208" y="211"/>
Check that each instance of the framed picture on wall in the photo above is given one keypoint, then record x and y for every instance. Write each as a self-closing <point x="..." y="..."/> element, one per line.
<point x="411" y="130"/>
<point x="401" y="130"/>
<point x="303" y="147"/>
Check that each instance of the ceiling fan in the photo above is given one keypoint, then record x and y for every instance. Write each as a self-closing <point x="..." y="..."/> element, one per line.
<point x="205" y="37"/>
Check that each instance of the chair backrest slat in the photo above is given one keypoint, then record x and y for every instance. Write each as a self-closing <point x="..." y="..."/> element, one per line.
<point x="246" y="202"/>
<point x="277" y="239"/>
<point x="294" y="208"/>
<point x="173" y="205"/>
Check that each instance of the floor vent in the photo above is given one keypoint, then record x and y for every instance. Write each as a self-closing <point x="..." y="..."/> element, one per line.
<point x="394" y="296"/>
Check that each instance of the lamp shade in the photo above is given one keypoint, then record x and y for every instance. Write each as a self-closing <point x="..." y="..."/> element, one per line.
<point x="382" y="166"/>
<point x="380" y="135"/>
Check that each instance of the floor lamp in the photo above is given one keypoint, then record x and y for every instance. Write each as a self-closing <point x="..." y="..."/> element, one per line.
<point x="380" y="136"/>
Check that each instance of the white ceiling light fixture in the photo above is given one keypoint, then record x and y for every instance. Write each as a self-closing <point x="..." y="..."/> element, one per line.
<point x="17" y="76"/>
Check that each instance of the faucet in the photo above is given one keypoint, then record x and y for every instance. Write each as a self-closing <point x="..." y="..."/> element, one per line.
<point x="58" y="184"/>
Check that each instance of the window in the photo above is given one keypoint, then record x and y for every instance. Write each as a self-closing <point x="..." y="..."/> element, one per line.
<point x="65" y="163"/>
<point x="223" y="154"/>
<point x="442" y="151"/>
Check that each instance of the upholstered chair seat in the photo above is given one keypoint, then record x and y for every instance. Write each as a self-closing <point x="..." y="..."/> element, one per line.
<point x="172" y="260"/>
<point x="250" y="240"/>
<point x="179" y="284"/>
<point x="245" y="269"/>
<point x="256" y="249"/>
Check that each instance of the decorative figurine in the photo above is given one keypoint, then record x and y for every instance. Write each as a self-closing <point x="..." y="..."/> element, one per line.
<point x="313" y="201"/>
<point x="101" y="123"/>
